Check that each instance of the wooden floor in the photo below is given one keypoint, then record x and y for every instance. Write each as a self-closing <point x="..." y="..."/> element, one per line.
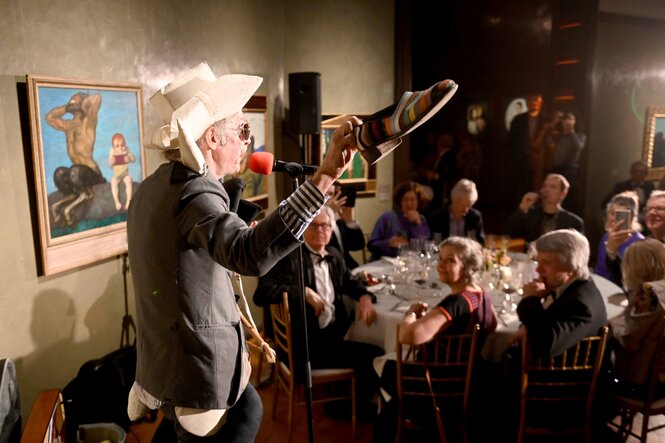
<point x="326" y="429"/>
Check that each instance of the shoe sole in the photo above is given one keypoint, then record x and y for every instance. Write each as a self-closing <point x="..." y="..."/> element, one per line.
<point x="373" y="154"/>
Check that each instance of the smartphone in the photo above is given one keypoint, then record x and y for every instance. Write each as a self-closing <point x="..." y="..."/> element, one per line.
<point x="350" y="193"/>
<point x="622" y="215"/>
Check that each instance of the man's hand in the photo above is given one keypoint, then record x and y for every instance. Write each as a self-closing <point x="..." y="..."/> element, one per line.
<point x="366" y="312"/>
<point x="535" y="288"/>
<point x="315" y="300"/>
<point x="343" y="146"/>
<point x="337" y="201"/>
<point x="347" y="214"/>
<point x="529" y="199"/>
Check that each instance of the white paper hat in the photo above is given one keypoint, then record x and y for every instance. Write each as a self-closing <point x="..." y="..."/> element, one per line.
<point x="193" y="102"/>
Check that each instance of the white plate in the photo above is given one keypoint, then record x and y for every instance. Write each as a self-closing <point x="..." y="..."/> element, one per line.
<point x="376" y="288"/>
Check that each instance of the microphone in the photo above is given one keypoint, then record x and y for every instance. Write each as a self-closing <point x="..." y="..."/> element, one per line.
<point x="265" y="163"/>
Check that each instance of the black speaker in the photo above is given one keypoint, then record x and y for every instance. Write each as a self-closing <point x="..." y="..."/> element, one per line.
<point x="305" y="102"/>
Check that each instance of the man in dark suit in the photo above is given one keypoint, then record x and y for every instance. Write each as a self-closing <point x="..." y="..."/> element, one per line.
<point x="534" y="218"/>
<point x="327" y="279"/>
<point x="459" y="218"/>
<point x="563" y="305"/>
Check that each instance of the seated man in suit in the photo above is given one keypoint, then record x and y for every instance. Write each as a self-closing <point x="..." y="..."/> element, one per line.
<point x="347" y="235"/>
<point x="563" y="305"/>
<point x="534" y="218"/>
<point x="326" y="280"/>
<point x="459" y="218"/>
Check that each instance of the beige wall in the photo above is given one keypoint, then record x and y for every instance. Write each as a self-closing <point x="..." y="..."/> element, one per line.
<point x="50" y="326"/>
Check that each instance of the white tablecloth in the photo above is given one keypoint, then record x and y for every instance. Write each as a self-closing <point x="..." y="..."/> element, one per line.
<point x="390" y="309"/>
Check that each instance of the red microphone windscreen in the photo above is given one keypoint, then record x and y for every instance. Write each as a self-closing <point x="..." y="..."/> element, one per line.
<point x="261" y="162"/>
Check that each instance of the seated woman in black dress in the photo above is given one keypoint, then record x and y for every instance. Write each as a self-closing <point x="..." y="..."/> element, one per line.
<point x="460" y="260"/>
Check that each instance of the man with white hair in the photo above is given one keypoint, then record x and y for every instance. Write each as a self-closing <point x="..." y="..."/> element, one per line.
<point x="327" y="280"/>
<point x="459" y="218"/>
<point x="192" y="359"/>
<point x="563" y="305"/>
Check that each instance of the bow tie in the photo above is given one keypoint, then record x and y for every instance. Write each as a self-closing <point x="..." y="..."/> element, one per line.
<point x="318" y="258"/>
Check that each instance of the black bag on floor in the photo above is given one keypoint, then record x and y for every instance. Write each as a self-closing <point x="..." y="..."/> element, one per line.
<point x="98" y="394"/>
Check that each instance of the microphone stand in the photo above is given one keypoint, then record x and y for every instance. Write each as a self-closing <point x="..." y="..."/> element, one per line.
<point x="293" y="172"/>
<point x="127" y="320"/>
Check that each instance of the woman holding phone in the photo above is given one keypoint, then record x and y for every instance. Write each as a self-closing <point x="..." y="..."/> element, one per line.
<point x="621" y="230"/>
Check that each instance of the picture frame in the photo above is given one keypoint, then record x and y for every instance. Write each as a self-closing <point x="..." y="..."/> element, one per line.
<point x="360" y="175"/>
<point x="654" y="142"/>
<point x="514" y="107"/>
<point x="87" y="158"/>
<point x="257" y="185"/>
<point x="477" y="118"/>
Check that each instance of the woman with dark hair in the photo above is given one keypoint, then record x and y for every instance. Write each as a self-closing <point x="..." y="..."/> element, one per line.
<point x="395" y="228"/>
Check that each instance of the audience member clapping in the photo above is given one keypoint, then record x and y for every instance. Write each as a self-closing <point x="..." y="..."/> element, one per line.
<point x="395" y="228"/>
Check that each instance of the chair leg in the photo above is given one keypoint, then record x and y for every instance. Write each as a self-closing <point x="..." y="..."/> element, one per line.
<point x="353" y="407"/>
<point x="645" y="428"/>
<point x="627" y="417"/>
<point x="292" y="400"/>
<point x="277" y="382"/>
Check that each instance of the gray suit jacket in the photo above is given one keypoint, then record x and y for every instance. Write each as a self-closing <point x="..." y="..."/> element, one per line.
<point x="183" y="242"/>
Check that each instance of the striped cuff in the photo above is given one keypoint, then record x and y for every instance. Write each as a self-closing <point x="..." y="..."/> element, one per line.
<point x="299" y="209"/>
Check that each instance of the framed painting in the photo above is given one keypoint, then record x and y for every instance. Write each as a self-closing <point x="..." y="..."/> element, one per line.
<point x="360" y="175"/>
<point x="88" y="159"/>
<point x="256" y="188"/>
<point x="514" y="107"/>
<point x="476" y="118"/>
<point x="654" y="142"/>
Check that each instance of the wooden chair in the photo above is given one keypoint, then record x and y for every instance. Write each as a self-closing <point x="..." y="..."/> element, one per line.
<point x="648" y="405"/>
<point x="556" y="393"/>
<point x="46" y="420"/>
<point x="284" y="377"/>
<point x="435" y="372"/>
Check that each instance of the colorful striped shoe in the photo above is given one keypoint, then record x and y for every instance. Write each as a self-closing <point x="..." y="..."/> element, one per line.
<point x="381" y="132"/>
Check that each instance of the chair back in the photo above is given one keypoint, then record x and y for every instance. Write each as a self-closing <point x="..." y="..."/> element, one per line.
<point x="46" y="420"/>
<point x="656" y="367"/>
<point x="284" y="375"/>
<point x="650" y="403"/>
<point x="281" y="326"/>
<point x="436" y="372"/>
<point x="552" y="386"/>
